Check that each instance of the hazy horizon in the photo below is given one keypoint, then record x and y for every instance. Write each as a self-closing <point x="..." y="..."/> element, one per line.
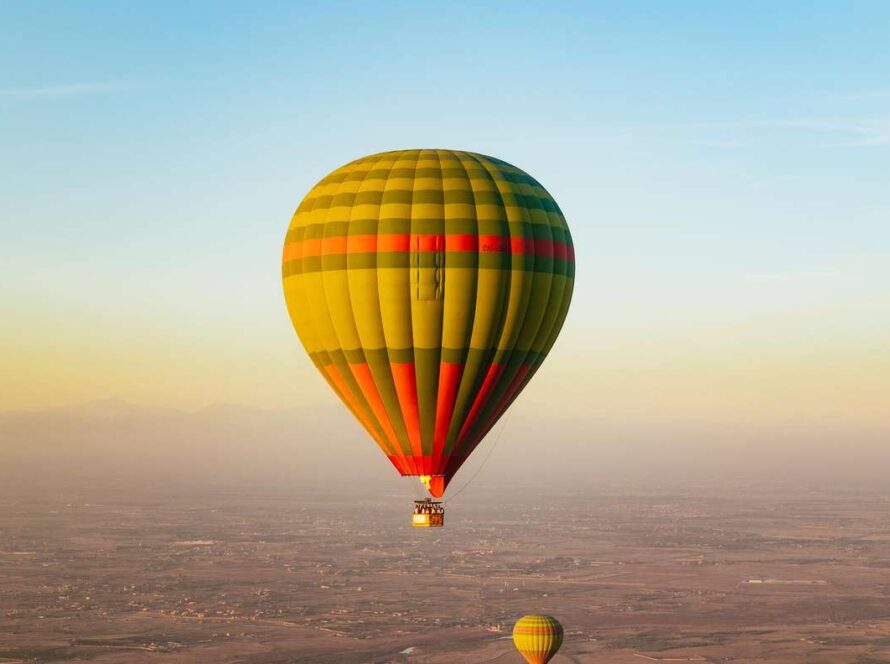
<point x="722" y="171"/>
<point x="227" y="445"/>
<point x="699" y="470"/>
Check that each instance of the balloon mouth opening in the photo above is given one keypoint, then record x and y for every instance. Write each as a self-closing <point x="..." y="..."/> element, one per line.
<point x="435" y="484"/>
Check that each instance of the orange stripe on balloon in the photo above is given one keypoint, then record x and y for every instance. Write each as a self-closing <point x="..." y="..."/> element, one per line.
<point x="311" y="247"/>
<point x="406" y="389"/>
<point x="449" y="380"/>
<point x="333" y="245"/>
<point x="347" y="394"/>
<point x="365" y="381"/>
<point x="291" y="251"/>
<point x="427" y="242"/>
<point x="361" y="244"/>
<point x="394" y="242"/>
<point x="402" y="242"/>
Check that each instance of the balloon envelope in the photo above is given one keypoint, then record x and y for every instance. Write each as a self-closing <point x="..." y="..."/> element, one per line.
<point x="537" y="638"/>
<point x="427" y="286"/>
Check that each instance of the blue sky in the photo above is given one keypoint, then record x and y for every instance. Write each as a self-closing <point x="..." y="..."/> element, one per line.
<point x="723" y="167"/>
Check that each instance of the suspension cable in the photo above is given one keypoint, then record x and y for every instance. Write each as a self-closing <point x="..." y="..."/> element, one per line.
<point x="485" y="460"/>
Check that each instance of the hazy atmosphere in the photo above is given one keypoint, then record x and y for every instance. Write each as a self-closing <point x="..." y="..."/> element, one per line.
<point x="719" y="391"/>
<point x="723" y="172"/>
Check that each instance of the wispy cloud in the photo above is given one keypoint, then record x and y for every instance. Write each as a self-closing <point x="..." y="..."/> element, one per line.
<point x="818" y="132"/>
<point x="858" y="132"/>
<point x="864" y="95"/>
<point x="799" y="276"/>
<point x="56" y="91"/>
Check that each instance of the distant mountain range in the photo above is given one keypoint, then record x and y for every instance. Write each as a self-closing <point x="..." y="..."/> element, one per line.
<point x="116" y="438"/>
<point x="324" y="446"/>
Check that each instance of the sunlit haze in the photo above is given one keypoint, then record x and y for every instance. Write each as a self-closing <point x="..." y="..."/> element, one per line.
<point x="723" y="169"/>
<point x="699" y="470"/>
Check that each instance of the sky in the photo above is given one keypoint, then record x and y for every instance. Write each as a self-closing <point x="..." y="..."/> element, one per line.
<point x="723" y="168"/>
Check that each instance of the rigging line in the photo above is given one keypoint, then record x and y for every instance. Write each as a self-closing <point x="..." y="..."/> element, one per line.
<point x="487" y="457"/>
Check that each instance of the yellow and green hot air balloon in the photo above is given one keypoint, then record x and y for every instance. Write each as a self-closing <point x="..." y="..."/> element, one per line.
<point x="537" y="638"/>
<point x="427" y="287"/>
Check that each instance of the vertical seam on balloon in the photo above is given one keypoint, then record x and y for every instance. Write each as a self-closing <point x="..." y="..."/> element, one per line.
<point x="402" y="452"/>
<point x="386" y="426"/>
<point x="438" y="449"/>
<point x="463" y="444"/>
<point x="370" y="414"/>
<point x="553" y="334"/>
<point x="420" y="303"/>
<point x="410" y="459"/>
<point x="366" y="415"/>
<point x="568" y="291"/>
<point x="411" y="320"/>
<point x="456" y="444"/>
<point x="310" y="320"/>
<point x="554" y="220"/>
<point x="440" y="295"/>
<point x="545" y="338"/>
<point x="468" y="444"/>
<point x="446" y="452"/>
<point x="518" y="357"/>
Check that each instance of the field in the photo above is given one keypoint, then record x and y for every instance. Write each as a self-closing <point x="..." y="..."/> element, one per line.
<point x="741" y="573"/>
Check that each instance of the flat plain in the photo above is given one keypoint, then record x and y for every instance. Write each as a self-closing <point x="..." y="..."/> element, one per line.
<point x="225" y="574"/>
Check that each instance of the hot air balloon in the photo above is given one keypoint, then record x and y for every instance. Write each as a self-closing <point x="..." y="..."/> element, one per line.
<point x="537" y="638"/>
<point x="427" y="286"/>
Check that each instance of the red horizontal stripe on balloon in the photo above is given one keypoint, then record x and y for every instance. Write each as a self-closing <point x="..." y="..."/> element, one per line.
<point x="522" y="245"/>
<point x="528" y="245"/>
<point x="461" y="242"/>
<point x="544" y="248"/>
<point x="393" y="242"/>
<point x="403" y="242"/>
<point x="492" y="243"/>
<point x="427" y="242"/>
<point x="406" y="391"/>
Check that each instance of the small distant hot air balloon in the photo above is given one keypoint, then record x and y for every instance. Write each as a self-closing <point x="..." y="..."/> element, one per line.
<point x="537" y="638"/>
<point x="427" y="286"/>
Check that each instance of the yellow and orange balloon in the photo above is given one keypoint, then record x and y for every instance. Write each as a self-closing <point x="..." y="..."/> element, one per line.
<point x="537" y="638"/>
<point x="427" y="287"/>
